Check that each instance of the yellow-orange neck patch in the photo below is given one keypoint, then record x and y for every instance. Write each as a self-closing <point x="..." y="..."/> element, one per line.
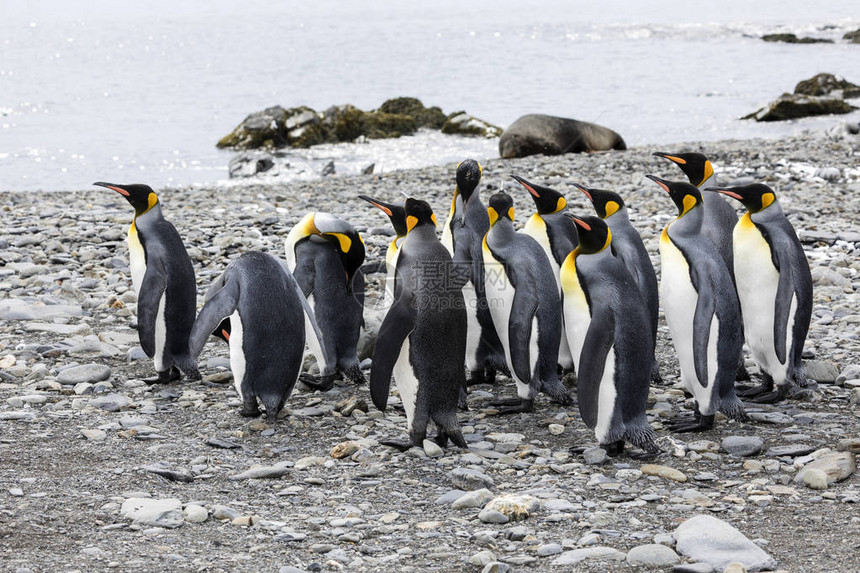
<point x="411" y="221"/>
<point x="611" y="208"/>
<point x="493" y="215"/>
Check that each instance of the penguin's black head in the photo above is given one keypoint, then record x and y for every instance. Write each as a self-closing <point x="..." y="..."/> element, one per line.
<point x="685" y="195"/>
<point x="468" y="177"/>
<point x="547" y="201"/>
<point x="396" y="214"/>
<point x="606" y="203"/>
<point x="418" y="213"/>
<point x="695" y="166"/>
<point x="141" y="197"/>
<point x="501" y="206"/>
<point x="593" y="234"/>
<point x="754" y="197"/>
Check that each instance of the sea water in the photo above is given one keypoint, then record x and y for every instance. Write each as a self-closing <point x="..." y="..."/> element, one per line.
<point x="141" y="92"/>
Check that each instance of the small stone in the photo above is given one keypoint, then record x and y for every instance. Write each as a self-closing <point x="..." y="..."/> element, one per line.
<point x="549" y="549"/>
<point x="771" y="417"/>
<point x="153" y="512"/>
<point x="492" y="516"/>
<point x="556" y="429"/>
<point x="469" y="479"/>
<point x="711" y="540"/>
<point x="742" y="446"/>
<point x="432" y="449"/>
<point x="246" y="520"/>
<point x="849" y="445"/>
<point x="16" y="492"/>
<point x="594" y="456"/>
<point x="790" y="450"/>
<point x="95" y="435"/>
<point x="496" y="567"/>
<point x="815" y="479"/>
<point x="515" y="507"/>
<point x="110" y="402"/>
<point x="194" y="513"/>
<point x="262" y="472"/>
<point x="652" y="555"/>
<point x="449" y="497"/>
<point x="822" y="371"/>
<point x="224" y="513"/>
<point x="344" y="449"/>
<point x="735" y="568"/>
<point x="473" y="499"/>
<point x="837" y="466"/>
<point x="482" y="558"/>
<point x="8" y="361"/>
<point x="91" y="373"/>
<point x="308" y="462"/>
<point x="597" y="553"/>
<point x="663" y="472"/>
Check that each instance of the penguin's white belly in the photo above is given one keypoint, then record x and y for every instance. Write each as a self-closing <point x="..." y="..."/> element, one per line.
<point x="757" y="281"/>
<point x="160" y="335"/>
<point x="576" y="314"/>
<point x="500" y="298"/>
<point x="136" y="259"/>
<point x="473" y="327"/>
<point x="448" y="237"/>
<point x="679" y="300"/>
<point x="536" y="228"/>
<point x="606" y="400"/>
<point x="407" y="383"/>
<point x="237" y="353"/>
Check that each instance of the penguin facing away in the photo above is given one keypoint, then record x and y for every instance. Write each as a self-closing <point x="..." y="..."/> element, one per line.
<point x="628" y="247"/>
<point x="702" y="310"/>
<point x="163" y="278"/>
<point x="525" y="306"/>
<point x="610" y="338"/>
<point x="775" y="290"/>
<point x="258" y="308"/>
<point x="554" y="231"/>
<point x="422" y="340"/>
<point x="462" y="235"/>
<point x="325" y="254"/>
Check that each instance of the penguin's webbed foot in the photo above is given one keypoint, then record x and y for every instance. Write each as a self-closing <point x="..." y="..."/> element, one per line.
<point x="742" y="374"/>
<point x="165" y="377"/>
<point x="323" y="383"/>
<point x="462" y="404"/>
<point x="614" y="448"/>
<point x="696" y="423"/>
<point x="778" y="394"/>
<point x="513" y="405"/>
<point x="401" y="445"/>
<point x="249" y="411"/>
<point x="644" y="455"/>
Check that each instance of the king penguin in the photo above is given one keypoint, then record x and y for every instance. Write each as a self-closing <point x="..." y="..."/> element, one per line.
<point x="524" y="302"/>
<point x="422" y="340"/>
<point x="258" y="308"/>
<point x="627" y="245"/>
<point x="325" y="254"/>
<point x="702" y="310"/>
<point x="720" y="217"/>
<point x="163" y="278"/>
<point x="775" y="289"/>
<point x="462" y="235"/>
<point x="553" y="230"/>
<point x="610" y="338"/>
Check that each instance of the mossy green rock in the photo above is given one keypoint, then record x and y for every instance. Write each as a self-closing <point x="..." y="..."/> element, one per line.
<point x="853" y="37"/>
<point x="431" y="117"/>
<point x="461" y="123"/>
<point x="791" y="106"/>
<point x="793" y="39"/>
<point x="828" y="85"/>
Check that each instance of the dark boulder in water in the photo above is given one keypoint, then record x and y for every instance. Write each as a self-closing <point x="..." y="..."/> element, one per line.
<point x="827" y="85"/>
<point x="537" y="134"/>
<point x="821" y="94"/>
<point x="793" y="39"/>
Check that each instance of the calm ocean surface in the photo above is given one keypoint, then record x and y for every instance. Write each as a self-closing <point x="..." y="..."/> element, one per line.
<point x="106" y="90"/>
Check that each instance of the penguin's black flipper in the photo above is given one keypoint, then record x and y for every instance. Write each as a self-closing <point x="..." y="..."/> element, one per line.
<point x="520" y="324"/>
<point x="398" y="323"/>
<point x="313" y="335"/>
<point x="219" y="305"/>
<point x="149" y="298"/>
<point x="592" y="361"/>
<point x="784" y="296"/>
<point x="706" y="306"/>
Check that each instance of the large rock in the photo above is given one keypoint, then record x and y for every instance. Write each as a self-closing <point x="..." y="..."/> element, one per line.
<point x="461" y="123"/>
<point x="515" y="507"/>
<point x="836" y="466"/>
<point x="431" y="117"/>
<point x="793" y="39"/>
<point x="792" y="106"/>
<point x="853" y="37"/>
<point x="706" y="538"/>
<point x="536" y="134"/>
<point x="827" y="85"/>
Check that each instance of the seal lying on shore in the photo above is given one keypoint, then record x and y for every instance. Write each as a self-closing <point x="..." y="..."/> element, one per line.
<point x="536" y="134"/>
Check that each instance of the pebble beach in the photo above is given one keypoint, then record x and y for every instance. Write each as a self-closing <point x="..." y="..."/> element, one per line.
<point x="100" y="471"/>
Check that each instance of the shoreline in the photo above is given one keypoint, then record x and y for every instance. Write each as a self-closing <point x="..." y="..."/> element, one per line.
<point x="75" y="452"/>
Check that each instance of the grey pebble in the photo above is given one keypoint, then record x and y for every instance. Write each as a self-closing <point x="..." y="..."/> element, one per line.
<point x="742" y="446"/>
<point x="90" y="373"/>
<point x="469" y="479"/>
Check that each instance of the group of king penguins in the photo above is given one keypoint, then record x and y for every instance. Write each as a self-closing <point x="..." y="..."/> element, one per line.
<point x="569" y="293"/>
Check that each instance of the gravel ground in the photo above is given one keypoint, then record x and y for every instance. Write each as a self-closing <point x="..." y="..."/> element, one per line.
<point x="80" y="446"/>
